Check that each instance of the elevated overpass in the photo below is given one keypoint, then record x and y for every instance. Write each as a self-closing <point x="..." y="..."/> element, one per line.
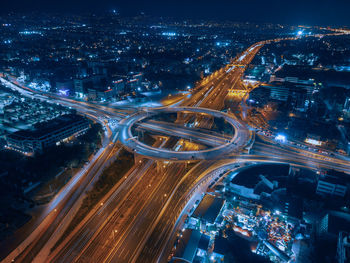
<point x="200" y="136"/>
<point x="239" y="140"/>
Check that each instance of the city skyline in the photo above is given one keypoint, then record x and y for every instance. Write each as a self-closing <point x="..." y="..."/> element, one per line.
<point x="312" y="12"/>
<point x="140" y="138"/>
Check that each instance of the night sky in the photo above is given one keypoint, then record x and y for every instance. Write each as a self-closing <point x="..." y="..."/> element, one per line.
<point x="311" y="12"/>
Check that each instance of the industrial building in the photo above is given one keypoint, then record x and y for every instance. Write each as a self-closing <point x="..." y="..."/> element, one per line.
<point x="47" y="133"/>
<point x="208" y="209"/>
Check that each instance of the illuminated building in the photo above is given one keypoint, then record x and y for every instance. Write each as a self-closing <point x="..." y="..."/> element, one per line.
<point x="331" y="185"/>
<point x="208" y="209"/>
<point x="332" y="223"/>
<point x="47" y="134"/>
<point x="118" y="86"/>
<point x="191" y="244"/>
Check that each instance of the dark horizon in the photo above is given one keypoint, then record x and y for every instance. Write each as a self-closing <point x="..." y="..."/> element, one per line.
<point x="312" y="12"/>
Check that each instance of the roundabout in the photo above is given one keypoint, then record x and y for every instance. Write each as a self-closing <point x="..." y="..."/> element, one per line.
<point x="240" y="139"/>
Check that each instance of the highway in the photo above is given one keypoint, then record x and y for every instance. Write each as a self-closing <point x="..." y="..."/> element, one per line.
<point x="179" y="176"/>
<point x="65" y="203"/>
<point x="235" y="144"/>
<point x="204" y="137"/>
<point x="117" y="218"/>
<point x="25" y="245"/>
<point x="159" y="243"/>
<point x="137" y="219"/>
<point x="210" y="97"/>
<point x="94" y="230"/>
<point x="213" y="96"/>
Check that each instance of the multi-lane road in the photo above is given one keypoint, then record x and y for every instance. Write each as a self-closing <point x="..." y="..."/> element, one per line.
<point x="236" y="143"/>
<point x="122" y="217"/>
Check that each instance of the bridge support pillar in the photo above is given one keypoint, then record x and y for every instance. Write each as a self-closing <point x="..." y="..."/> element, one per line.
<point x="140" y="134"/>
<point x="137" y="158"/>
<point x="180" y="118"/>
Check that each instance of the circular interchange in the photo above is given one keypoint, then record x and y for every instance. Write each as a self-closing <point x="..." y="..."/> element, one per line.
<point x="239" y="140"/>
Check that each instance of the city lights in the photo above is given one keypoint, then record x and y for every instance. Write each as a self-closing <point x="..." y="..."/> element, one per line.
<point x="280" y="138"/>
<point x="144" y="132"/>
<point x="313" y="142"/>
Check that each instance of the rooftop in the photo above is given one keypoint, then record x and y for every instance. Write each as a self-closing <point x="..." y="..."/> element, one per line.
<point x="188" y="245"/>
<point x="45" y="128"/>
<point x="209" y="208"/>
